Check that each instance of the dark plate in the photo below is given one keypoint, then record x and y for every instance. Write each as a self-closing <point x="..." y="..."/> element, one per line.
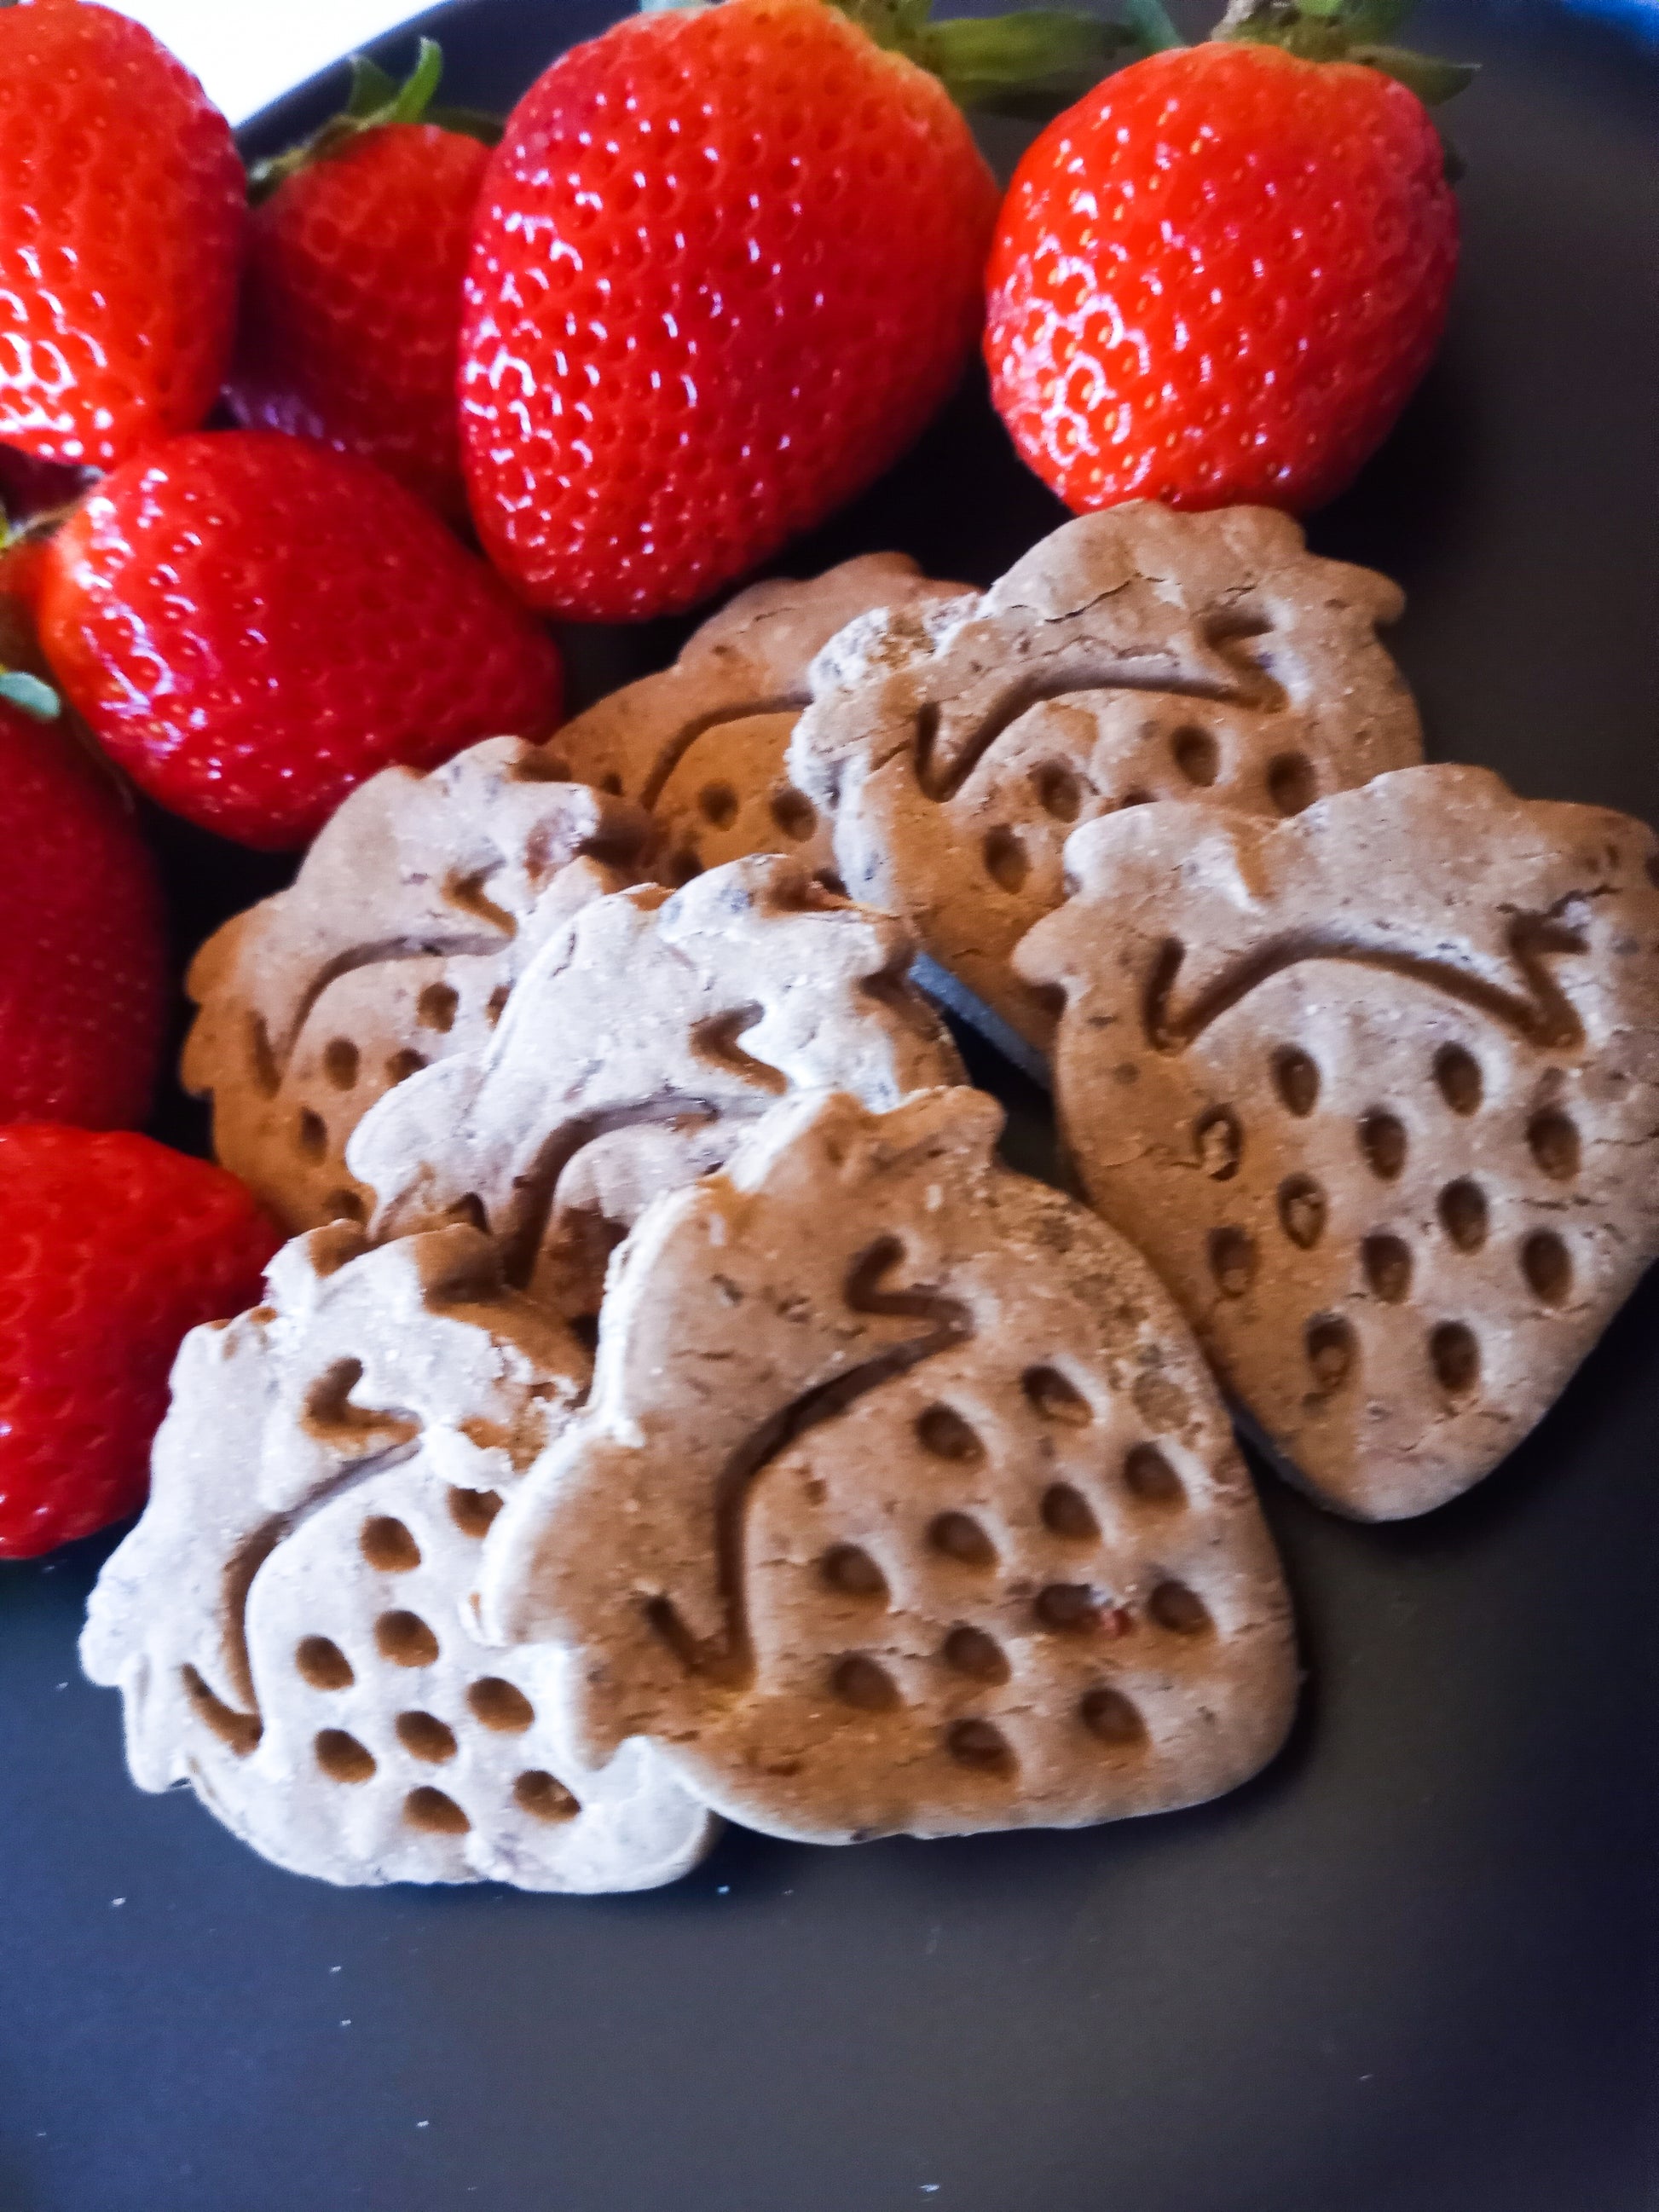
<point x="1410" y="1969"/>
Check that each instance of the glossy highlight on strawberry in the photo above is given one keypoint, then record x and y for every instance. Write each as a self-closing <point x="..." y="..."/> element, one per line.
<point x="1218" y="277"/>
<point x="111" y="1248"/>
<point x="251" y="624"/>
<point x="727" y="265"/>
<point x="122" y="216"/>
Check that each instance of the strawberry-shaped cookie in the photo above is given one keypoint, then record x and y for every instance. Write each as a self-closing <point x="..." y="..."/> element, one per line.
<point x="705" y="743"/>
<point x="351" y="309"/>
<point x="1217" y="278"/>
<point x="122" y="215"/>
<point x="1134" y="655"/>
<point x="398" y="944"/>
<point x="1378" y="1091"/>
<point x="288" y="1624"/>
<point x="640" y="1046"/>
<point x="253" y="625"/>
<point x="904" y="1502"/>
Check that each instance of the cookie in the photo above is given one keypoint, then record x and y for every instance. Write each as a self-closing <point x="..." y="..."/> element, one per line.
<point x="398" y="944"/>
<point x="289" y="1625"/>
<point x="1378" y="1091"/>
<point x="703" y="744"/>
<point x="1136" y="654"/>
<point x="904" y="1502"/>
<point x="639" y="1047"/>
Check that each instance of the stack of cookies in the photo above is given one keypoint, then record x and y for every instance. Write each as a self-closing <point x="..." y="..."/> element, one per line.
<point x="669" y="1408"/>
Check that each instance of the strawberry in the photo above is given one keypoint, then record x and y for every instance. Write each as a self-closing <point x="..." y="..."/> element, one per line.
<point x="84" y="986"/>
<point x="251" y="624"/>
<point x="1218" y="277"/>
<point x="111" y="1249"/>
<point x="351" y="307"/>
<point x="727" y="265"/>
<point x="122" y="216"/>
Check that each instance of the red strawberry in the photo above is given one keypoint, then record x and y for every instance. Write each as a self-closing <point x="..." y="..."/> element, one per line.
<point x="1218" y="277"/>
<point x="351" y="308"/>
<point x="727" y="265"/>
<point x="84" y="981"/>
<point x="252" y="625"/>
<point x="111" y="1249"/>
<point x="122" y="215"/>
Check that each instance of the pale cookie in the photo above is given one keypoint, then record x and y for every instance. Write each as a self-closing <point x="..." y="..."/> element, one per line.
<point x="904" y="1502"/>
<point x="639" y="1047"/>
<point x="398" y="944"/>
<point x="1136" y="654"/>
<point x="1378" y="1091"/>
<point x="288" y="1623"/>
<point x="703" y="743"/>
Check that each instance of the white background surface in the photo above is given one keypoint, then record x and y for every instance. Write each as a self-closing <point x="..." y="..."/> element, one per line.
<point x="246" y="52"/>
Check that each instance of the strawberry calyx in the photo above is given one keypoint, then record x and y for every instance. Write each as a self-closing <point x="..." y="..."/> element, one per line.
<point x="1032" y="62"/>
<point x="1347" y="31"/>
<point x="376" y="99"/>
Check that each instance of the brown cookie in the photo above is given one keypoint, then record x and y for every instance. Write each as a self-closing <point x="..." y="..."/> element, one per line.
<point x="640" y="1045"/>
<point x="288" y="1624"/>
<point x="1136" y="654"/>
<point x="398" y="944"/>
<point x="1378" y="1091"/>
<point x="904" y="1502"/>
<point x="703" y="743"/>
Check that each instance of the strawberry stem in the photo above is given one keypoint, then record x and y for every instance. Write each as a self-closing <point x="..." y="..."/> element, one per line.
<point x="1033" y="62"/>
<point x="376" y="99"/>
<point x="1346" y="31"/>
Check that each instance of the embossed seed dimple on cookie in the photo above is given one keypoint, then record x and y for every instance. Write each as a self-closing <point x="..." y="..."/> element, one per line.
<point x="290" y="1623"/>
<point x="398" y="944"/>
<point x="1378" y="1091"/>
<point x="1136" y="655"/>
<point x="904" y="1502"/>
<point x="640" y="1046"/>
<point x="703" y="743"/>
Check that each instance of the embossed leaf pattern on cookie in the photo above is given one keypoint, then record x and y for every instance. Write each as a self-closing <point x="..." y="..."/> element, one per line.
<point x="288" y="1623"/>
<point x="703" y="743"/>
<point x="643" y="1043"/>
<point x="1136" y="654"/>
<point x="398" y="944"/>
<point x="903" y="1503"/>
<point x="1378" y="1091"/>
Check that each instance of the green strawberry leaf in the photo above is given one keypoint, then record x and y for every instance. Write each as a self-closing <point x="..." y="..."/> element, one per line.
<point x="1034" y="61"/>
<point x="372" y="88"/>
<point x="30" y="695"/>
<point x="1152" y="26"/>
<point x="1431" y="79"/>
<point x="468" y="123"/>
<point x="1004" y="63"/>
<point x="376" y="99"/>
<point x="1347" y="31"/>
